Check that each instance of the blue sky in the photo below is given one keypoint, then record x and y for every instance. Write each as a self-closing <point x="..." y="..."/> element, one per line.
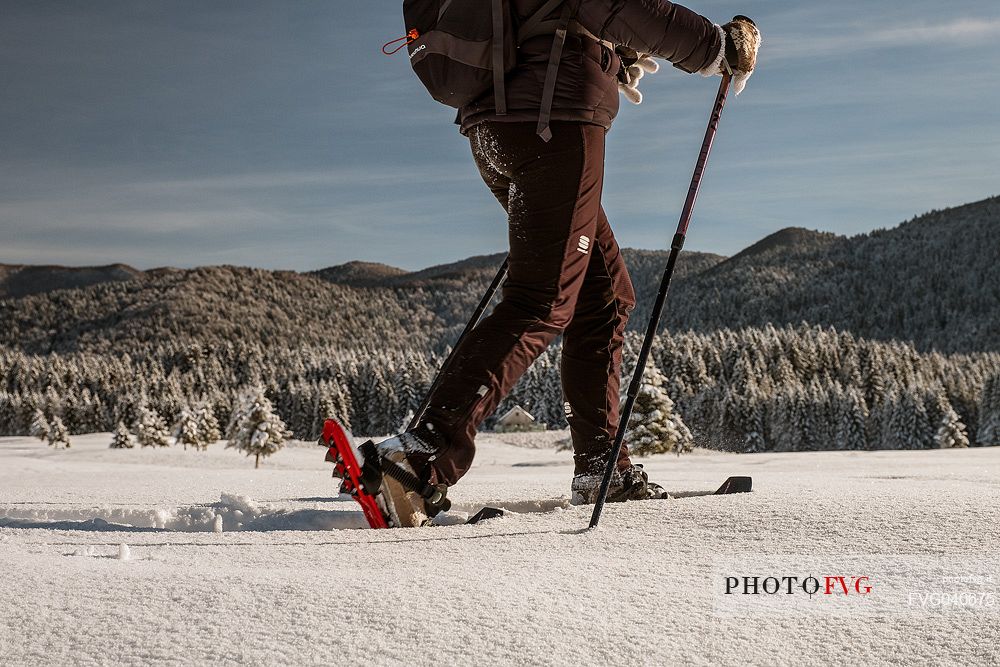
<point x="275" y="134"/>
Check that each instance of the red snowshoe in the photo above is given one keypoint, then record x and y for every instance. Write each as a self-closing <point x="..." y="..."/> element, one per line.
<point x="385" y="503"/>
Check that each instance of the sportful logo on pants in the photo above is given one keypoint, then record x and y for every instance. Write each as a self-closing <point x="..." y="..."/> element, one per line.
<point x="584" y="244"/>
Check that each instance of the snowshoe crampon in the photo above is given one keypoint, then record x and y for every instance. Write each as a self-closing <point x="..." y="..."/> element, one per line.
<point x="364" y="481"/>
<point x="360" y="484"/>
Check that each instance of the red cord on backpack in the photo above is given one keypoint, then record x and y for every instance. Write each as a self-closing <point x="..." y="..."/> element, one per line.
<point x="410" y="37"/>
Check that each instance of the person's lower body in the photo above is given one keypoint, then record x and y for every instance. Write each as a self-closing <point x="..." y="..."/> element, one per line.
<point x="566" y="276"/>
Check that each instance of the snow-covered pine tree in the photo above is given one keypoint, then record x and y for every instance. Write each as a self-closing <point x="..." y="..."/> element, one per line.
<point x="732" y="429"/>
<point x="654" y="427"/>
<point x="951" y="431"/>
<point x="804" y="421"/>
<point x="150" y="429"/>
<point x="852" y="419"/>
<point x="324" y="410"/>
<point x="872" y="369"/>
<point x="405" y="384"/>
<point x="813" y="416"/>
<point x="11" y="406"/>
<point x="936" y="404"/>
<point x="260" y="431"/>
<point x="186" y="429"/>
<point x="753" y="406"/>
<point x="922" y="428"/>
<point x="908" y="426"/>
<point x="988" y="433"/>
<point x="379" y="399"/>
<point x="238" y="413"/>
<point x="333" y="403"/>
<point x="58" y="433"/>
<point x="778" y="427"/>
<point x="207" y="425"/>
<point x="40" y="426"/>
<point x="697" y="375"/>
<point x="753" y="441"/>
<point x="122" y="439"/>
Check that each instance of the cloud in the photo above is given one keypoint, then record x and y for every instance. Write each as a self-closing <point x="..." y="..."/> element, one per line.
<point x="327" y="178"/>
<point x="972" y="30"/>
<point x="963" y="32"/>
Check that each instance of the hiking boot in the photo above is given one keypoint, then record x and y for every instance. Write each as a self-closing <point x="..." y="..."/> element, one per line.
<point x="403" y="507"/>
<point x="632" y="483"/>
<point x="411" y="451"/>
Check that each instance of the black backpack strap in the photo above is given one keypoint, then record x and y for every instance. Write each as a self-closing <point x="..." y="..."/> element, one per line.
<point x="499" y="90"/>
<point x="536" y="24"/>
<point x="549" y="88"/>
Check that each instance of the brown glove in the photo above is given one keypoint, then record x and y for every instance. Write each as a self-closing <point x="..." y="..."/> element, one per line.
<point x="742" y="44"/>
<point x="741" y="41"/>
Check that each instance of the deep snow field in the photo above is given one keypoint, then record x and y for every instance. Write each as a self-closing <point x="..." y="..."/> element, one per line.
<point x="223" y="564"/>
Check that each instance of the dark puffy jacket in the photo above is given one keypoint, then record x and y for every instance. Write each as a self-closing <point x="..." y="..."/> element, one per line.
<point x="587" y="89"/>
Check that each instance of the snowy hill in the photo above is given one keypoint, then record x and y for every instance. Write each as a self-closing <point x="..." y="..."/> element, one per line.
<point x="932" y="281"/>
<point x="18" y="280"/>
<point x="484" y="267"/>
<point x="172" y="557"/>
<point x="233" y="305"/>
<point x="790" y="239"/>
<point x="360" y="274"/>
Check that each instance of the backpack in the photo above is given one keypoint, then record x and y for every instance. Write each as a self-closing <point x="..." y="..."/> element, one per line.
<point x="460" y="49"/>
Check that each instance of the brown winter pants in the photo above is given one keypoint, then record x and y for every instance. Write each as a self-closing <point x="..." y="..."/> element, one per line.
<point x="566" y="277"/>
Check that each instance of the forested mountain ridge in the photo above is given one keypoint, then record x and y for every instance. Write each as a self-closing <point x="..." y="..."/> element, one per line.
<point x="783" y="240"/>
<point x="212" y="305"/>
<point x="17" y="280"/>
<point x="484" y="267"/>
<point x="359" y="274"/>
<point x="934" y="281"/>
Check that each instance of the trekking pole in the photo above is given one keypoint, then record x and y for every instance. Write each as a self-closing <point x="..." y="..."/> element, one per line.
<point x="654" y="318"/>
<point x="477" y="316"/>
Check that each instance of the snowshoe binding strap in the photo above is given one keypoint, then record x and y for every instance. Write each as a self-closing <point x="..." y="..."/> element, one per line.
<point x="435" y="495"/>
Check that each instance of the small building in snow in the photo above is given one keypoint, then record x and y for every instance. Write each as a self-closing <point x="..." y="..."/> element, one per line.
<point x="517" y="419"/>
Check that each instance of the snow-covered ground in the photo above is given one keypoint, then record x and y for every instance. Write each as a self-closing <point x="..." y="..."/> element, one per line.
<point x="224" y="564"/>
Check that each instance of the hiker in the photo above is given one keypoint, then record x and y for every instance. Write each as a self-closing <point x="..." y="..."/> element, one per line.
<point x="544" y="162"/>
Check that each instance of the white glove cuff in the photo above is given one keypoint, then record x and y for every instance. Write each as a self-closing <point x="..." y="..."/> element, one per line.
<point x="715" y="67"/>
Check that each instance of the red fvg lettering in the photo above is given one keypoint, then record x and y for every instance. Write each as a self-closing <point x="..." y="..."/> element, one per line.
<point x="831" y="582"/>
<point x="858" y="584"/>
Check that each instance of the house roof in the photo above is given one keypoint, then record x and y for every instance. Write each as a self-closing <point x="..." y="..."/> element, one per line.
<point x="516" y="411"/>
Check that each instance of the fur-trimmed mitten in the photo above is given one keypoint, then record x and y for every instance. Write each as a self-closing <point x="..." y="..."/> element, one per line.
<point x="741" y="42"/>
<point x="634" y="66"/>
